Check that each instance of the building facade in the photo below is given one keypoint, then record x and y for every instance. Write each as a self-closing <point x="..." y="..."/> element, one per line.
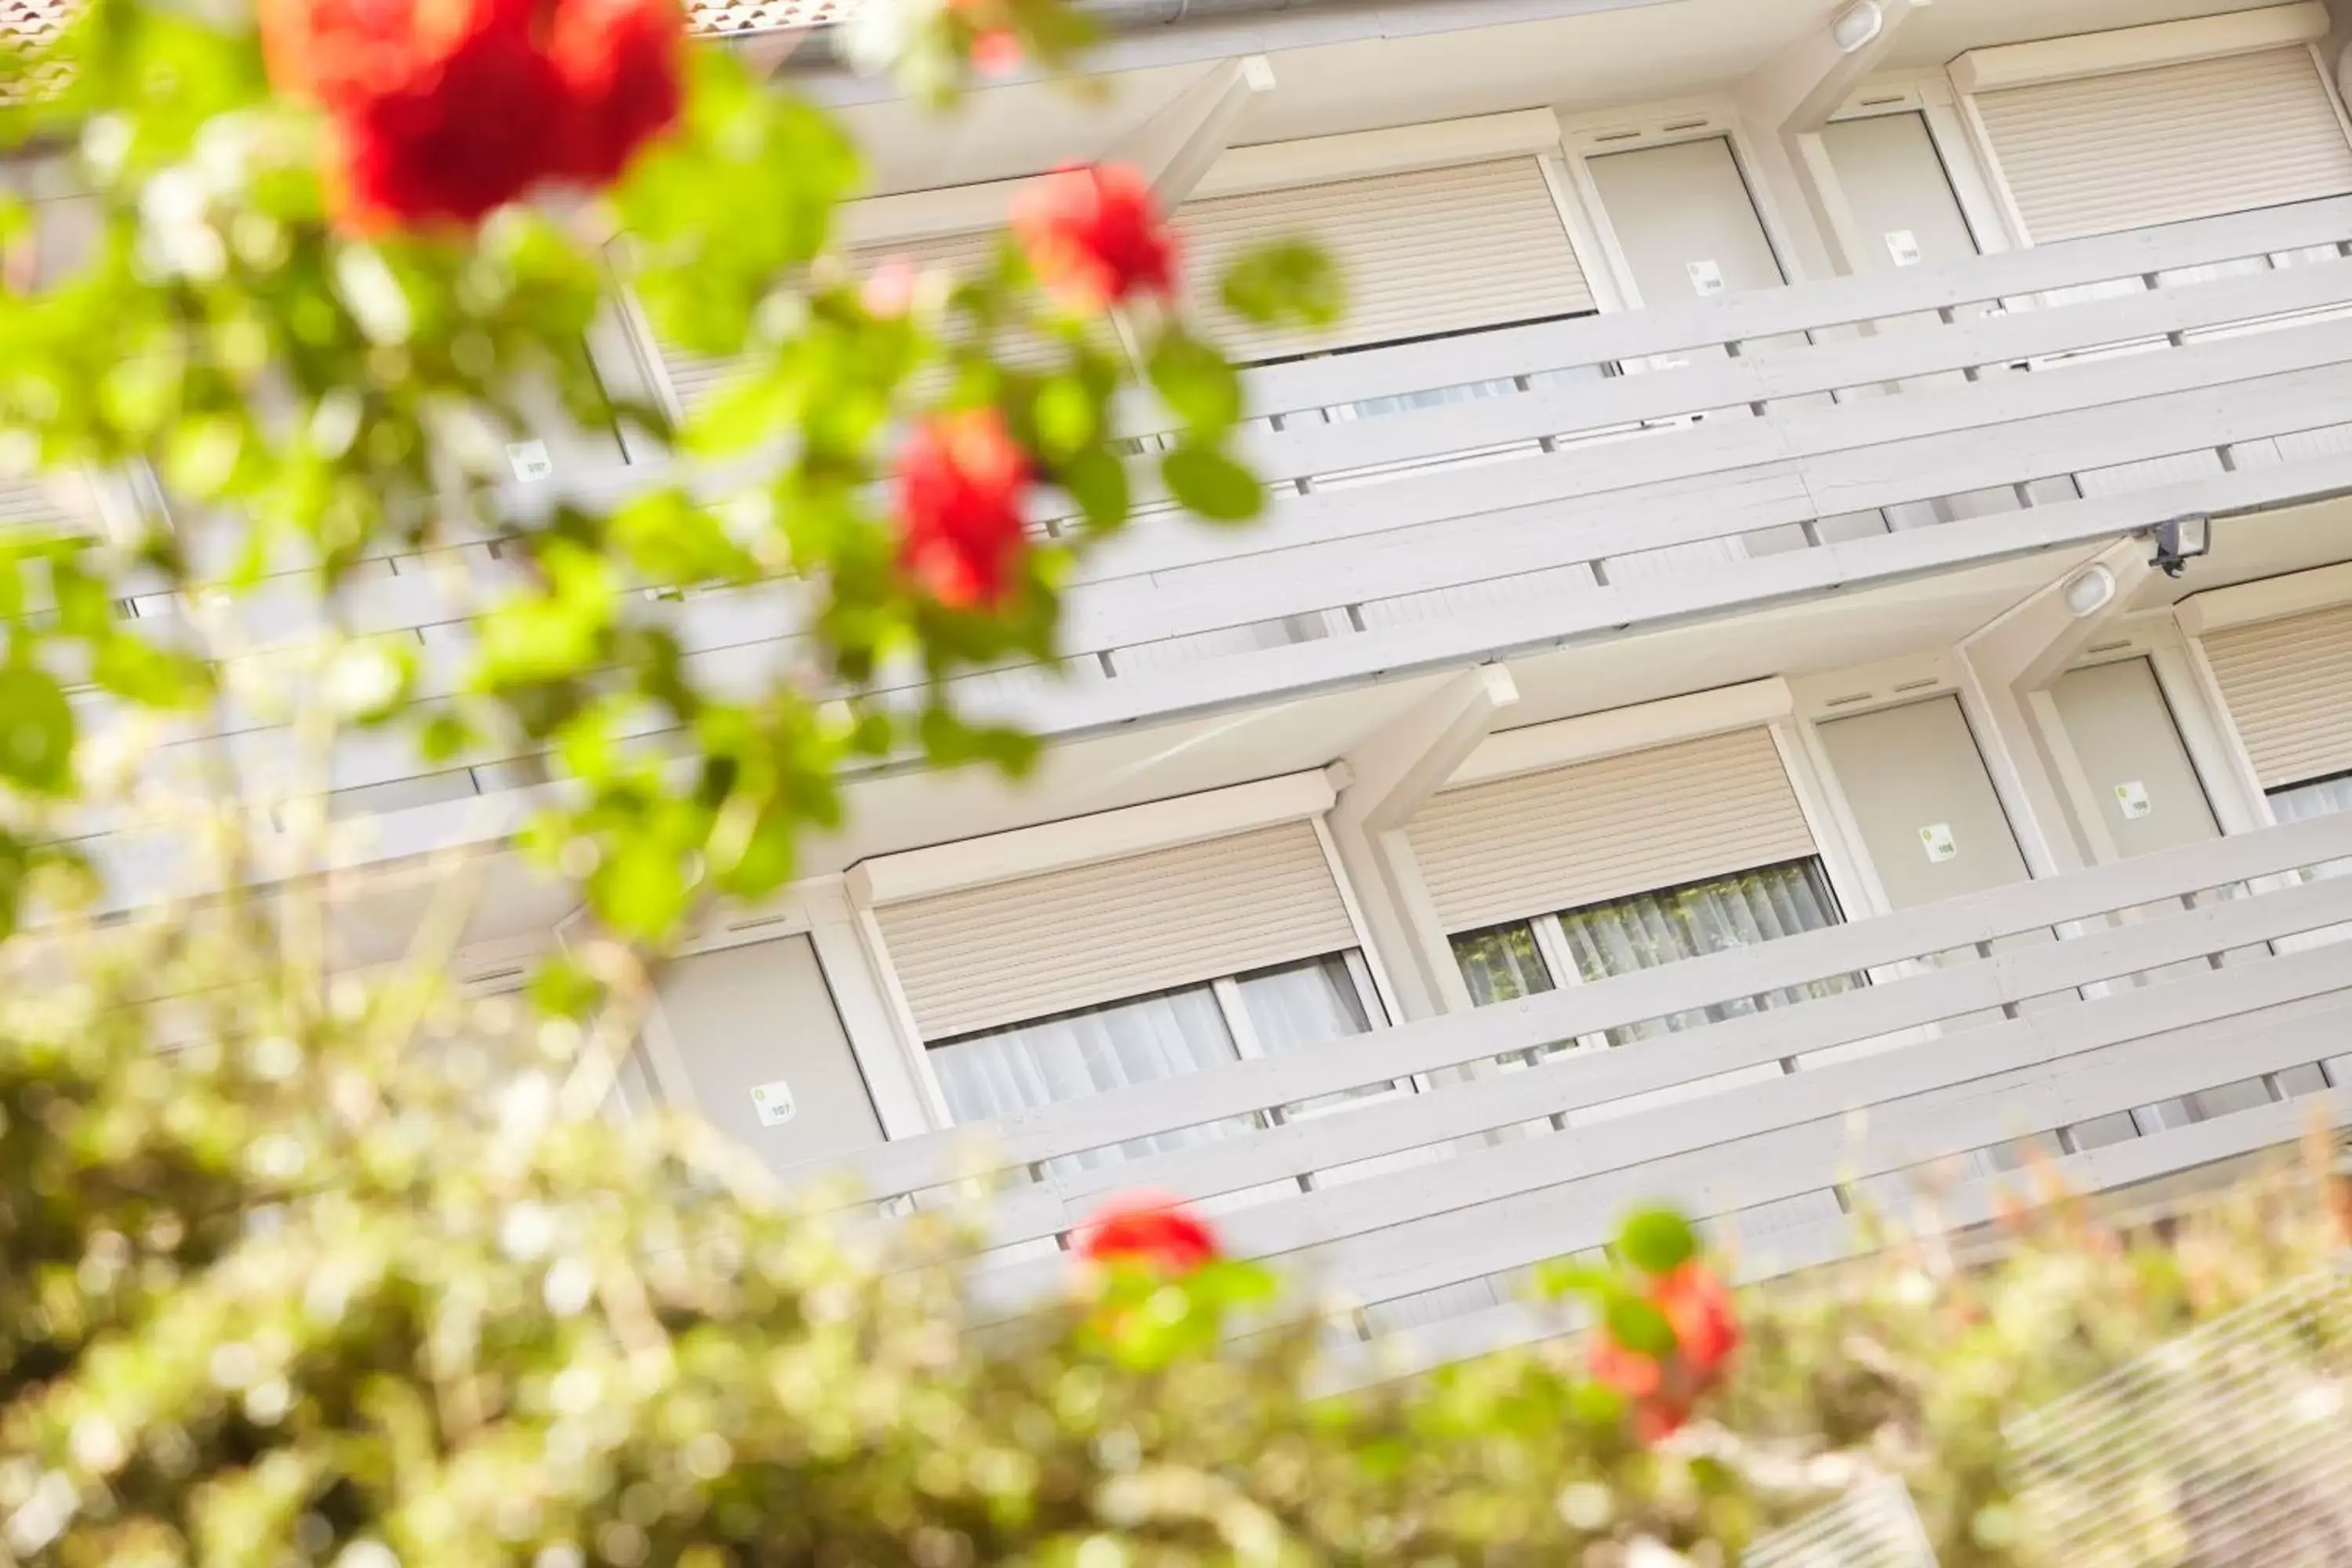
<point x="1708" y="712"/>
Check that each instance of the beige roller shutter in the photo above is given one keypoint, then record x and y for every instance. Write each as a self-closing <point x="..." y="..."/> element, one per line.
<point x="983" y="957"/>
<point x="1608" y="829"/>
<point x="2288" y="684"/>
<point x="1441" y="250"/>
<point x="2096" y="154"/>
<point x="697" y="378"/>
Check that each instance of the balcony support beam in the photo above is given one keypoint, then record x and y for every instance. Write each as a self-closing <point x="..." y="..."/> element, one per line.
<point x="1388" y="778"/>
<point x="1175" y="147"/>
<point x="1789" y="98"/>
<point x="2006" y="667"/>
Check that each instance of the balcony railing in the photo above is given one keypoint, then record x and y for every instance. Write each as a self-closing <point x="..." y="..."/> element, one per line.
<point x="1622" y="470"/>
<point x="2006" y="1014"/>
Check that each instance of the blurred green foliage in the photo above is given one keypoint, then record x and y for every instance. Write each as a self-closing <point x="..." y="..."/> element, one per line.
<point x="304" y="1266"/>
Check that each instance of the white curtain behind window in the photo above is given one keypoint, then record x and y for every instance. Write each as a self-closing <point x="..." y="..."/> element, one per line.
<point x="1715" y="916"/>
<point x="1085" y="1053"/>
<point x="1502" y="964"/>
<point x="2325" y="797"/>
<point x="2301" y="802"/>
<point x="1304" y="1004"/>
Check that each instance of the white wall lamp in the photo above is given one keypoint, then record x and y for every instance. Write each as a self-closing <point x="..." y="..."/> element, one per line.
<point x="1857" y="25"/>
<point x="2089" y="592"/>
<point x="2180" y="539"/>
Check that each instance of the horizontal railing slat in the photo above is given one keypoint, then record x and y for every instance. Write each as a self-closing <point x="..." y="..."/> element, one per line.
<point x="1489" y="1210"/>
<point x="1816" y="305"/>
<point x="1305" y="450"/>
<point x="1505" y="631"/>
<point x="1572" y="1083"/>
<point x="1120" y="1115"/>
<point x="1970" y="1204"/>
<point x="1776" y="1164"/>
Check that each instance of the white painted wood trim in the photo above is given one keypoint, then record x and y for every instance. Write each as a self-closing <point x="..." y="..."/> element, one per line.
<point x="1536" y="748"/>
<point x="1988" y="160"/>
<point x="897" y="1082"/>
<point x="922" y="214"/>
<point x="2271" y="599"/>
<point x="2215" y="751"/>
<point x="2333" y="88"/>
<point x="1086" y="840"/>
<point x="2140" y="49"/>
<point x="1394" y="150"/>
<point x="906" y="1036"/>
<point x="1969" y="170"/>
<point x="1385" y="994"/>
<point x="1836" y="842"/>
<point x="1593" y="254"/>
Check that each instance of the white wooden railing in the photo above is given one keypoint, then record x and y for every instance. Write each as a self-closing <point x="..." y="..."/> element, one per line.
<point x="1631" y="468"/>
<point x="2020" y="1011"/>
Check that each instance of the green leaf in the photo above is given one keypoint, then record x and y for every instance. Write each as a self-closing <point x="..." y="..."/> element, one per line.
<point x="37" y="730"/>
<point x="1639" y="1327"/>
<point x="1571" y="1277"/>
<point x="639" y="887"/>
<point x="1194" y="381"/>
<point x="1096" y="480"/>
<point x="138" y="671"/>
<point x="1656" y="1240"/>
<point x="1286" y="283"/>
<point x="1213" y="485"/>
<point x="15" y="863"/>
<point x="444" y="736"/>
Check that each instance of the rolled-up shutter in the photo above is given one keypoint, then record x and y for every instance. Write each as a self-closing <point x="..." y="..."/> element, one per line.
<point x="2097" y="154"/>
<point x="59" y="496"/>
<point x="1576" y="836"/>
<point x="2288" y="684"/>
<point x="694" y="379"/>
<point x="1441" y="250"/>
<point x="983" y="957"/>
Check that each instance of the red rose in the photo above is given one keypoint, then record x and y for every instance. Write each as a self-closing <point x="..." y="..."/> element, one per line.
<point x="331" y="52"/>
<point x="1630" y="1372"/>
<point x="1151" y="1229"/>
<point x="470" y="138"/>
<point x="1661" y="1390"/>
<point x="619" y="61"/>
<point x="443" y="110"/>
<point x="1094" y="235"/>
<point x="961" y="480"/>
<point x="1698" y="1308"/>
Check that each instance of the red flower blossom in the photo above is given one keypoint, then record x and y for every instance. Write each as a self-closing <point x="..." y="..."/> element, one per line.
<point x="474" y="137"/>
<point x="443" y="110"/>
<point x="619" y="61"/>
<point x="1699" y="1309"/>
<point x="995" y="47"/>
<point x="1152" y="1230"/>
<point x="1094" y="235"/>
<point x="1630" y="1372"/>
<point x="1661" y="1390"/>
<point x="961" y="480"/>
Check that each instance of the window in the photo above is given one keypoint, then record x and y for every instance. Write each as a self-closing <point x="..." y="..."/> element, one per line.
<point x="2320" y="797"/>
<point x="1624" y="935"/>
<point x="1148" y="1039"/>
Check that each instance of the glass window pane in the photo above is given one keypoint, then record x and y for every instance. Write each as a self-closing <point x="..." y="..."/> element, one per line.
<point x="2321" y="797"/>
<point x="1145" y="1040"/>
<point x="1501" y="964"/>
<point x="1304" y="1004"/>
<point x="1652" y="929"/>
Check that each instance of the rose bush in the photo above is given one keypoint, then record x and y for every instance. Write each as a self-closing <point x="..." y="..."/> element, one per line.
<point x="307" y="1263"/>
